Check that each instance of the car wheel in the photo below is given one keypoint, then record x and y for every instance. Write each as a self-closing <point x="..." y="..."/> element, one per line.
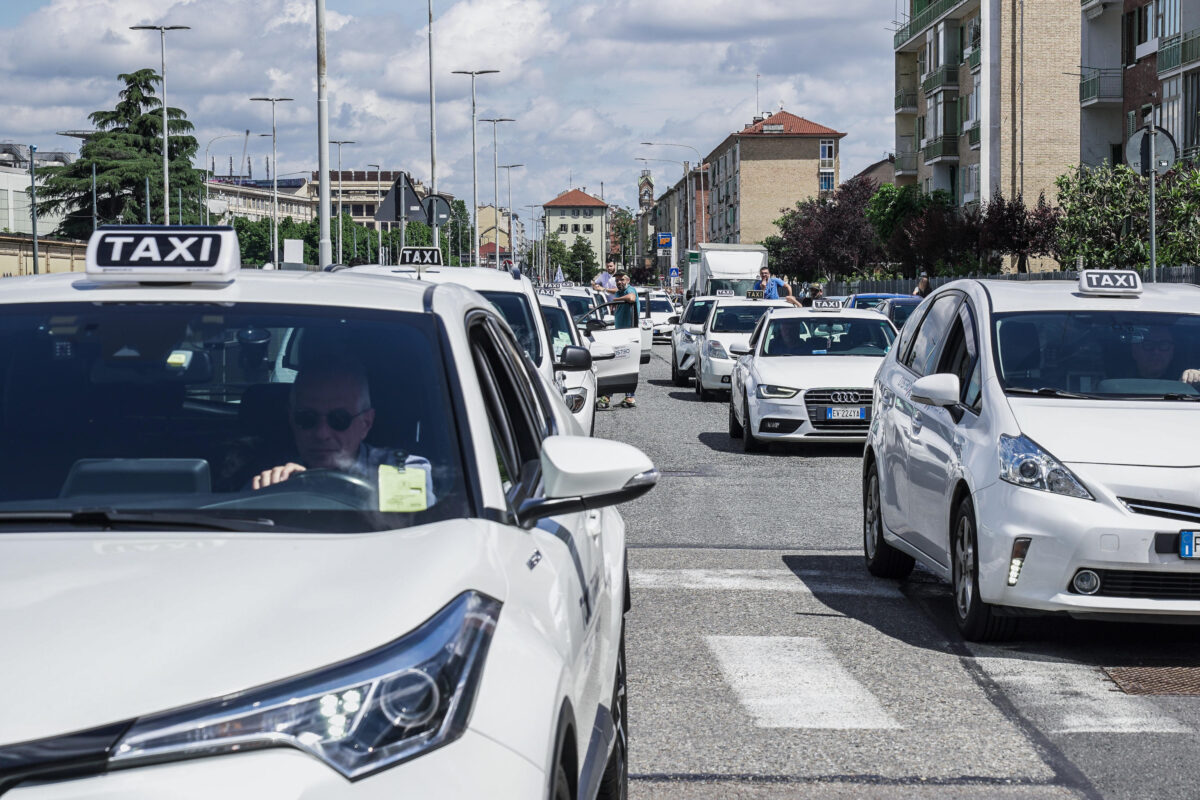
<point x="735" y="427"/>
<point x="614" y="784"/>
<point x="702" y="394"/>
<point x="883" y="560"/>
<point x="561" y="788"/>
<point x="977" y="621"/>
<point x="677" y="377"/>
<point x="750" y="443"/>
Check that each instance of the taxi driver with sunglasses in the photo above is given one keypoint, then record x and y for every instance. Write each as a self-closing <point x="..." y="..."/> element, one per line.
<point x="330" y="415"/>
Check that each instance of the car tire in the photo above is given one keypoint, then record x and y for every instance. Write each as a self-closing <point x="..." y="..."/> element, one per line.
<point x="977" y="621"/>
<point x="883" y="560"/>
<point x="750" y="443"/>
<point x="677" y="377"/>
<point x="735" y="428"/>
<point x="614" y="783"/>
<point x="702" y="394"/>
<point x="561" y="788"/>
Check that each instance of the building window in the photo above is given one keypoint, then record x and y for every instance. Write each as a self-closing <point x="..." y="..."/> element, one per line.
<point x="574" y="229"/>
<point x="369" y="210"/>
<point x="562" y="228"/>
<point x="574" y="212"/>
<point x="1166" y="18"/>
<point x="825" y="178"/>
<point x="827" y="148"/>
<point x="587" y="212"/>
<point x="587" y="228"/>
<point x="1135" y="31"/>
<point x="1169" y="116"/>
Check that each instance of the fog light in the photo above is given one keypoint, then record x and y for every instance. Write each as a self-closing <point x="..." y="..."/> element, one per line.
<point x="1086" y="582"/>
<point x="724" y="379"/>
<point x="1019" y="549"/>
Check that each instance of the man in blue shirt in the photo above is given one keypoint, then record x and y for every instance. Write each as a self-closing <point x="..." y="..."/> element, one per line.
<point x="773" y="288"/>
<point x="626" y="315"/>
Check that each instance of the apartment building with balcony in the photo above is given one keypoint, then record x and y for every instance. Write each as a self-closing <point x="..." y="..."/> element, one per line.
<point x="986" y="96"/>
<point x="775" y="161"/>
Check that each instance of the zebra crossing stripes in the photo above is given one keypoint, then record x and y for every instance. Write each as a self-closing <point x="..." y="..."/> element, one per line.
<point x="761" y="580"/>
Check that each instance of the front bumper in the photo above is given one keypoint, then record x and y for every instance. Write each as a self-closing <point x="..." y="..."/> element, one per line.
<point x="471" y="767"/>
<point x="714" y="373"/>
<point x="663" y="332"/>
<point x="1069" y="534"/>
<point x="789" y="421"/>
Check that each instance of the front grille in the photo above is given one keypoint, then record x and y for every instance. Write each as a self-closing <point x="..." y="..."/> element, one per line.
<point x="1148" y="585"/>
<point x="1156" y="508"/>
<point x="817" y="400"/>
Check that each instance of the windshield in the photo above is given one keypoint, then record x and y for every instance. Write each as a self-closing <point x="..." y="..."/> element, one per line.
<point x="514" y="307"/>
<point x="174" y="409"/>
<point x="577" y="305"/>
<point x="558" y="327"/>
<point x="1100" y="353"/>
<point x="834" y="337"/>
<point x="737" y="319"/>
<point x="698" y="313"/>
<point x="901" y="312"/>
<point x="867" y="302"/>
<point x="661" y="307"/>
<point x="738" y="287"/>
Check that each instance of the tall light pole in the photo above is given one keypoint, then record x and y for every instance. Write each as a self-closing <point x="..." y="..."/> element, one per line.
<point x="496" y="178"/>
<point x="378" y="223"/>
<point x="437" y="242"/>
<point x="474" y="158"/>
<point x="162" y="38"/>
<point x="325" y="256"/>
<point x="700" y="166"/>
<point x="339" y="143"/>
<point x="274" y="179"/>
<point x="207" y="177"/>
<point x="33" y="203"/>
<point x="512" y="248"/>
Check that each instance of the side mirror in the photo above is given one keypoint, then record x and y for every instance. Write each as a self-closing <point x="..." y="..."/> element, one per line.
<point x="739" y="349"/>
<point x="610" y="320"/>
<point x="574" y="359"/>
<point x="674" y="320"/>
<point x="594" y="324"/>
<point x="942" y="390"/>
<point x="695" y="329"/>
<point x="580" y="473"/>
<point x="602" y="352"/>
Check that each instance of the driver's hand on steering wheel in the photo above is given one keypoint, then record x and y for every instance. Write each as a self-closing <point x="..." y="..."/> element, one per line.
<point x="1191" y="376"/>
<point x="269" y="477"/>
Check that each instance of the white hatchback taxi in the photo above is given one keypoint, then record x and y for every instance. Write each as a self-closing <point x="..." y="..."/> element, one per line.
<point x="683" y="341"/>
<point x="806" y="375"/>
<point x="1034" y="444"/>
<point x="388" y="575"/>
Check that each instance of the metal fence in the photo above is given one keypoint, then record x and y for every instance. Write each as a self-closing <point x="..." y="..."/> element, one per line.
<point x="1183" y="274"/>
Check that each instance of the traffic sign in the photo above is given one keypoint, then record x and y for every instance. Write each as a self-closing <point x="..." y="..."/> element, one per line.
<point x="1137" y="151"/>
<point x="693" y="256"/>
<point x="388" y="210"/>
<point x="426" y="256"/>
<point x="437" y="209"/>
<point x="674" y="272"/>
<point x="664" y="240"/>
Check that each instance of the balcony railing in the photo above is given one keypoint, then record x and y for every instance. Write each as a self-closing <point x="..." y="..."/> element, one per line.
<point x="923" y="20"/>
<point x="1189" y="47"/>
<point x="906" y="98"/>
<point x="973" y="59"/>
<point x="906" y="162"/>
<point x="946" y="75"/>
<point x="941" y="147"/>
<point x="825" y="163"/>
<point x="1100" y="84"/>
<point x="1168" y="54"/>
<point x="973" y="135"/>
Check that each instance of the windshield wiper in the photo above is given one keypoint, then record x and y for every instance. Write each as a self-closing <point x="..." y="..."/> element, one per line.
<point x="1192" y="398"/>
<point x="108" y="517"/>
<point x="1050" y="391"/>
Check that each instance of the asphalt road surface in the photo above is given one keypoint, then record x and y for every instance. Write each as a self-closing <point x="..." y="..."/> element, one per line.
<point x="764" y="662"/>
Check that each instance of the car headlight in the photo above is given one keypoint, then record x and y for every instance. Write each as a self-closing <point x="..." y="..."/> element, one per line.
<point x="767" y="391"/>
<point x="714" y="349"/>
<point x="1024" y="463"/>
<point x="687" y="338"/>
<point x="359" y="717"/>
<point x="576" y="399"/>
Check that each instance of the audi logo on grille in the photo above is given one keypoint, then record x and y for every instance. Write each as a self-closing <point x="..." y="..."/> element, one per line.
<point x="844" y="397"/>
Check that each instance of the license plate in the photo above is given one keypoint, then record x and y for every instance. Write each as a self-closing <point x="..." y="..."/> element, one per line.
<point x="846" y="413"/>
<point x="1187" y="544"/>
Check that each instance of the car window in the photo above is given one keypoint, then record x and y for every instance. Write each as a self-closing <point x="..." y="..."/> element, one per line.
<point x="737" y="318"/>
<point x="845" y="337"/>
<point x="517" y="312"/>
<point x="901" y="312"/>
<point x="697" y="312"/>
<point x="517" y="429"/>
<point x="559" y="327"/>
<point x="661" y="307"/>
<point x="932" y="331"/>
<point x="577" y="305"/>
<point x="176" y="407"/>
<point x="960" y="357"/>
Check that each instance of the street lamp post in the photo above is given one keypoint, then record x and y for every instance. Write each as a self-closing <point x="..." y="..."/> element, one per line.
<point x="162" y="37"/>
<point x="208" y="177"/>
<point x="378" y="223"/>
<point x="512" y="249"/>
<point x="474" y="157"/>
<point x="496" y="179"/>
<point x="325" y="256"/>
<point x="33" y="203"/>
<point x="339" y="143"/>
<point x="274" y="179"/>
<point x="700" y="166"/>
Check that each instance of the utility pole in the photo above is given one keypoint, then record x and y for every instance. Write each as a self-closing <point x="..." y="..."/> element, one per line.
<point x="496" y="179"/>
<point x="33" y="203"/>
<point x="326" y="251"/>
<point x="378" y="223"/>
<point x="147" y="199"/>
<point x="437" y="242"/>
<point x="275" y="179"/>
<point x="162" y="36"/>
<point x="94" y="218"/>
<point x="339" y="143"/>
<point x="512" y="248"/>
<point x="474" y="160"/>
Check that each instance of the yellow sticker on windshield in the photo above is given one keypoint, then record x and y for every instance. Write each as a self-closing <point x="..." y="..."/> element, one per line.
<point x="402" y="490"/>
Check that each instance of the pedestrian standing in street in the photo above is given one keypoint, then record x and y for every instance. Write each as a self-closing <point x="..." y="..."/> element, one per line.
<point x="773" y="288"/>
<point x="923" y="288"/>
<point x="606" y="280"/>
<point x="626" y="316"/>
<point x="814" y="293"/>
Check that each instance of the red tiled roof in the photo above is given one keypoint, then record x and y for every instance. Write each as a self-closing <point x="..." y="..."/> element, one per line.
<point x="576" y="199"/>
<point x="796" y="126"/>
<point x="489" y="249"/>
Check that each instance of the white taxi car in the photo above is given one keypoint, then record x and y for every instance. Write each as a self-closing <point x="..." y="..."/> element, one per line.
<point x="432" y="608"/>
<point x="578" y="386"/>
<point x="806" y="375"/>
<point x="661" y="311"/>
<point x="1034" y="444"/>
<point x="729" y="324"/>
<point x="683" y="342"/>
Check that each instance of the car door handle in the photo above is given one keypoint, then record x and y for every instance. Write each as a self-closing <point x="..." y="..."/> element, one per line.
<point x="593" y="524"/>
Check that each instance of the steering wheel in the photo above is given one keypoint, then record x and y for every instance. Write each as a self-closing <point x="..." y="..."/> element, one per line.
<point x="342" y="486"/>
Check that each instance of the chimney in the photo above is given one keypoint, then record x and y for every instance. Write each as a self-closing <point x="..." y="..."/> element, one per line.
<point x="757" y="119"/>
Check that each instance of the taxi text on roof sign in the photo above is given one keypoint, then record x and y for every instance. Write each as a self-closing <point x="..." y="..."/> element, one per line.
<point x="1110" y="282"/>
<point x="148" y="254"/>
<point x="826" y="305"/>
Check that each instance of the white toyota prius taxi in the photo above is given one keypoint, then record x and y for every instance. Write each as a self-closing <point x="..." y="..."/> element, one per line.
<point x="1034" y="444"/>
<point x="728" y="325"/>
<point x="297" y="535"/>
<point x="806" y="375"/>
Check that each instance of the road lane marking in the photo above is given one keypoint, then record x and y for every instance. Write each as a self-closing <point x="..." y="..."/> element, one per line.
<point x="759" y="580"/>
<point x="795" y="682"/>
<point x="1075" y="698"/>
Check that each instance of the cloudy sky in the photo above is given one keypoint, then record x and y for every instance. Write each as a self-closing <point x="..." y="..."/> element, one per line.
<point x="586" y="81"/>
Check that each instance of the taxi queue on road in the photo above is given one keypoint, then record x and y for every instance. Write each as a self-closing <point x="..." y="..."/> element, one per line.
<point x="242" y="446"/>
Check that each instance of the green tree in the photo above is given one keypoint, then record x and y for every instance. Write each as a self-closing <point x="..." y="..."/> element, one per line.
<point x="625" y="229"/>
<point x="1104" y="218"/>
<point x="558" y="256"/>
<point x="582" y="257"/>
<point x="126" y="150"/>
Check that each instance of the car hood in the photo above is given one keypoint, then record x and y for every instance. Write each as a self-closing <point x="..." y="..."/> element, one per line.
<point x="1135" y="433"/>
<point x="818" y="372"/>
<point x="100" y="627"/>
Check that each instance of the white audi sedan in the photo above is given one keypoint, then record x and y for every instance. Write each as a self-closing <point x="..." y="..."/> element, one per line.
<point x="806" y="374"/>
<point x="297" y="535"/>
<point x="729" y="324"/>
<point x="1034" y="444"/>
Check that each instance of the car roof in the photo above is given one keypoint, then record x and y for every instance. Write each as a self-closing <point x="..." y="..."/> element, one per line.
<point x="549" y="300"/>
<point x="746" y="301"/>
<point x="904" y="300"/>
<point x="477" y="278"/>
<point x="1064" y="295"/>
<point x="834" y="315"/>
<point x="885" y="295"/>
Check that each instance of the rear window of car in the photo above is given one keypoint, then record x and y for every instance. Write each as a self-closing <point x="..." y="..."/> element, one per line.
<point x="737" y="319"/>
<point x="698" y="312"/>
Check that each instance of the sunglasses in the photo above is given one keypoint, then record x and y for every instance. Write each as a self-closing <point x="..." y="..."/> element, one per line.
<point x="339" y="419"/>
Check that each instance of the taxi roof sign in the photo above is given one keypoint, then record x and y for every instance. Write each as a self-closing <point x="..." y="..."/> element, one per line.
<point x="158" y="254"/>
<point x="822" y="304"/>
<point x="1114" y="282"/>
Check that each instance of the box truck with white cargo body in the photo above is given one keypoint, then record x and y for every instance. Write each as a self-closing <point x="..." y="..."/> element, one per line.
<point x="727" y="268"/>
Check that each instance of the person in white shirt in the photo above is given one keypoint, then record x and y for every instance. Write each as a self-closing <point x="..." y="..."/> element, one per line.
<point x="606" y="281"/>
